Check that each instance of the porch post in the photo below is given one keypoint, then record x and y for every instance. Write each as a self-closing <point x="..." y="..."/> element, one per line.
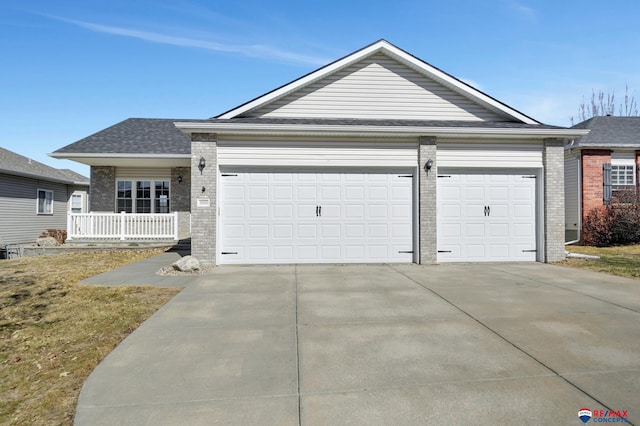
<point x="427" y="200"/>
<point x="553" y="159"/>
<point x="204" y="207"/>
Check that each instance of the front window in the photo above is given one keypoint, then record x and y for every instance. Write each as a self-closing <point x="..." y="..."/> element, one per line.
<point x="622" y="176"/>
<point x="124" y="200"/>
<point x="45" y="201"/>
<point x="142" y="196"/>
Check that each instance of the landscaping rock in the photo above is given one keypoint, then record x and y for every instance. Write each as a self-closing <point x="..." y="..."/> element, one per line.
<point x="47" y="242"/>
<point x="187" y="264"/>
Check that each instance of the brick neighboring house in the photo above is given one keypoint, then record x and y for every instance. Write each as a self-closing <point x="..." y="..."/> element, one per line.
<point x="600" y="168"/>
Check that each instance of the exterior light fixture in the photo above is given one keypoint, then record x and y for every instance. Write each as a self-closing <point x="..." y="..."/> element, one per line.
<point x="180" y="179"/>
<point x="202" y="163"/>
<point x="428" y="165"/>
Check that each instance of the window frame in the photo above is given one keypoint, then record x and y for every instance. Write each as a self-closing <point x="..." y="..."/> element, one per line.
<point x="45" y="192"/>
<point x="134" y="191"/>
<point x="78" y="196"/>
<point x="615" y="176"/>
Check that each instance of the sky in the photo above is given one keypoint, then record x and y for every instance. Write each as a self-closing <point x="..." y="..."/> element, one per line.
<point x="71" y="68"/>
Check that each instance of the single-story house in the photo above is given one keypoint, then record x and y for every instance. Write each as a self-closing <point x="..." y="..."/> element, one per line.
<point x="601" y="167"/>
<point x="35" y="197"/>
<point x="376" y="157"/>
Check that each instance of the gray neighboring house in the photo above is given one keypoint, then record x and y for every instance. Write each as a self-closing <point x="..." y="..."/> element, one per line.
<point x="377" y="157"/>
<point x="598" y="166"/>
<point x="35" y="197"/>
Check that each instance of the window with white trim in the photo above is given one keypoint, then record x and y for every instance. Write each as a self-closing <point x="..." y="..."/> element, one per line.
<point x="142" y="196"/>
<point x="623" y="165"/>
<point x="76" y="203"/>
<point x="622" y="176"/>
<point x="45" y="201"/>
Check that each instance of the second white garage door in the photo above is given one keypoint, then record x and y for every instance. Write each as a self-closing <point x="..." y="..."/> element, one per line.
<point x="315" y="216"/>
<point x="486" y="216"/>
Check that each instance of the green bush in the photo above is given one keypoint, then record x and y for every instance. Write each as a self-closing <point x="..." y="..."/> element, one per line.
<point x="617" y="224"/>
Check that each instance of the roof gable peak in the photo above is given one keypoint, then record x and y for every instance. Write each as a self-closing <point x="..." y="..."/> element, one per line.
<point x="397" y="54"/>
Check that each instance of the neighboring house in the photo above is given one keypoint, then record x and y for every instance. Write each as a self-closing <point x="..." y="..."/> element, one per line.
<point x="600" y="168"/>
<point x="35" y="197"/>
<point x="376" y="157"/>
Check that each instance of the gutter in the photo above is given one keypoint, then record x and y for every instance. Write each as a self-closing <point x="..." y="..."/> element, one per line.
<point x="364" y="130"/>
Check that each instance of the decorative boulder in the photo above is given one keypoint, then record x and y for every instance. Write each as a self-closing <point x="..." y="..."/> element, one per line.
<point x="46" y="242"/>
<point x="186" y="264"/>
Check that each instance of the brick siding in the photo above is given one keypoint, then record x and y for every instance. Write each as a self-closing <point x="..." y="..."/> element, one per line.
<point x="203" y="219"/>
<point x="102" y="189"/>
<point x="553" y="158"/>
<point x="592" y="190"/>
<point x="427" y="201"/>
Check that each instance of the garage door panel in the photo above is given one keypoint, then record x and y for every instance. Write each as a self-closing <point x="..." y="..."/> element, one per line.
<point x="312" y="217"/>
<point x="282" y="231"/>
<point x="486" y="216"/>
<point x="307" y="230"/>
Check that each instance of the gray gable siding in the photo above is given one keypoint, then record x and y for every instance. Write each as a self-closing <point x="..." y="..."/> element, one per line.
<point x="377" y="87"/>
<point x="19" y="221"/>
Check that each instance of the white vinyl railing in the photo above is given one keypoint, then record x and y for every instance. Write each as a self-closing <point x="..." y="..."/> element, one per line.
<point x="122" y="226"/>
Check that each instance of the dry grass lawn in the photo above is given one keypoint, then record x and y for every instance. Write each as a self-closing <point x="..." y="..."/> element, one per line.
<point x="53" y="332"/>
<point x="623" y="260"/>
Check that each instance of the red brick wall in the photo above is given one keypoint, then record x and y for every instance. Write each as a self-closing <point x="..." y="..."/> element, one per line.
<point x="592" y="161"/>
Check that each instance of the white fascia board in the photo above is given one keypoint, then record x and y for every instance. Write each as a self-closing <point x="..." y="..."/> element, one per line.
<point x="398" y="54"/>
<point x="240" y="129"/>
<point x="125" y="160"/>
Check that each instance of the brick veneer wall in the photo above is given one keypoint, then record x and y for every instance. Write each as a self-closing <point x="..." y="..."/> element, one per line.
<point x="103" y="189"/>
<point x="553" y="159"/>
<point x="203" y="219"/>
<point x="592" y="190"/>
<point x="427" y="201"/>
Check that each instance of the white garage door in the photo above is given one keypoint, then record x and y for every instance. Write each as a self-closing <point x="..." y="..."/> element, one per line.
<point x="486" y="216"/>
<point x="314" y="216"/>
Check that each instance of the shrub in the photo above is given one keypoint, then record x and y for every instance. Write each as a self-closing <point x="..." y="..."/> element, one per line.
<point x="617" y="224"/>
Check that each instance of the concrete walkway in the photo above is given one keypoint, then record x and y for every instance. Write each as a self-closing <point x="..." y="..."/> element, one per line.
<point x="377" y="345"/>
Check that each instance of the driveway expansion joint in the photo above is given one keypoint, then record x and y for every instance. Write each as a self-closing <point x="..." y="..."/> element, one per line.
<point x="496" y="333"/>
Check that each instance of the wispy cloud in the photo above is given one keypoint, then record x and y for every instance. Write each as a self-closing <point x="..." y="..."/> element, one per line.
<point x="525" y="11"/>
<point x="253" y="50"/>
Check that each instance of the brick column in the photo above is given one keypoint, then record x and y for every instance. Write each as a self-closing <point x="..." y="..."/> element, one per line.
<point x="553" y="161"/>
<point x="203" y="202"/>
<point x="103" y="189"/>
<point x="427" y="201"/>
<point x="592" y="179"/>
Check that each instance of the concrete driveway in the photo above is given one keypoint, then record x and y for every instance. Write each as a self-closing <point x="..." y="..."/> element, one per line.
<point x="378" y="345"/>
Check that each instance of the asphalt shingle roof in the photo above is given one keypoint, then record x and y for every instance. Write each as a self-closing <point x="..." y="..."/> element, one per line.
<point x="610" y="131"/>
<point x="134" y="136"/>
<point x="160" y="136"/>
<point x="12" y="163"/>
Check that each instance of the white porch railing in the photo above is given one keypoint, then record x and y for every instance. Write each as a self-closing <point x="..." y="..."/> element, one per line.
<point x="122" y="226"/>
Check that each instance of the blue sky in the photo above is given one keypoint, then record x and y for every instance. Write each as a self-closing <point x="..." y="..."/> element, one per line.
<point x="73" y="67"/>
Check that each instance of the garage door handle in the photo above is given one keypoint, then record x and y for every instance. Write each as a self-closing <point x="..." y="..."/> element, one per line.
<point x="320" y="211"/>
<point x="488" y="210"/>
